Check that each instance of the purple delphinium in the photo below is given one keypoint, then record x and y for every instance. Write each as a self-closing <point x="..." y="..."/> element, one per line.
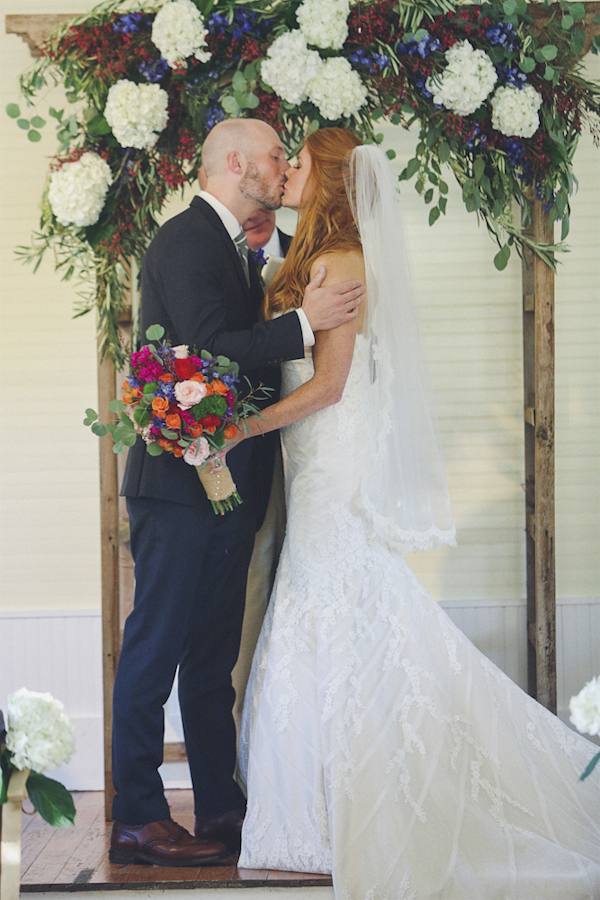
<point x="374" y="62"/>
<point x="154" y="71"/>
<point x="128" y="22"/>
<point x="504" y="35"/>
<point x="478" y="138"/>
<point x="423" y="47"/>
<point x="507" y="75"/>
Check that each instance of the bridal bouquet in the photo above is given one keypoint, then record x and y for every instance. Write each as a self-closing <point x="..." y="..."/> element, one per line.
<point x="185" y="405"/>
<point x="38" y="737"/>
<point x="585" y="716"/>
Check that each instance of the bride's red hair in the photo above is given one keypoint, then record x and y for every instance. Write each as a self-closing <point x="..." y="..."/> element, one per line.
<point x="325" y="223"/>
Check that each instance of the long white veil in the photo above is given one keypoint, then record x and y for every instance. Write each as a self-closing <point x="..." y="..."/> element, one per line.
<point x="405" y="489"/>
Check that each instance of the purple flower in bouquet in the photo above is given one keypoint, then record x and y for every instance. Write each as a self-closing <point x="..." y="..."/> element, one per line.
<point x="128" y="23"/>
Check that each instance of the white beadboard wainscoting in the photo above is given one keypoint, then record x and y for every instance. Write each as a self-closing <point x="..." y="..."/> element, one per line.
<point x="60" y="652"/>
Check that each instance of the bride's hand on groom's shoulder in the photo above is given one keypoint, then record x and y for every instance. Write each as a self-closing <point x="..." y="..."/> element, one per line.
<point x="329" y="305"/>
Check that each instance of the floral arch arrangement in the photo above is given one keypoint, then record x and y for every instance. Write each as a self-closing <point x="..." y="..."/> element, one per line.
<point x="496" y="87"/>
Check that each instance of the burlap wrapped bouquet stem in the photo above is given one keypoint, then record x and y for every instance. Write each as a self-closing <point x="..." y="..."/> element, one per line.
<point x="220" y="487"/>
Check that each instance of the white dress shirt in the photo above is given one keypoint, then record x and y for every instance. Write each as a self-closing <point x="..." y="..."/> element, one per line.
<point x="233" y="228"/>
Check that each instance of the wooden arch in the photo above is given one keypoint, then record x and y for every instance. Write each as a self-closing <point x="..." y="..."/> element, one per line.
<point x="538" y="414"/>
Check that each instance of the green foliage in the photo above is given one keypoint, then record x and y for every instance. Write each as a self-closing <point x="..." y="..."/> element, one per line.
<point x="51" y="799"/>
<point x="590" y="767"/>
<point x="493" y="178"/>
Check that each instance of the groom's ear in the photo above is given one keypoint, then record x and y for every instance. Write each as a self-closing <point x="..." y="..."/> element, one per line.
<point x="235" y="162"/>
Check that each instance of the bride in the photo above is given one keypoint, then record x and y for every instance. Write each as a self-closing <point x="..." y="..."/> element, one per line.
<point x="378" y="744"/>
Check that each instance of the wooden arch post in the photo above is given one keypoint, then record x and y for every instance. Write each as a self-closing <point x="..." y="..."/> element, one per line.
<point x="538" y="393"/>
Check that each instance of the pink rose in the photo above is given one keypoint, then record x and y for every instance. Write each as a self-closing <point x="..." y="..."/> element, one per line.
<point x="181" y="351"/>
<point x="197" y="453"/>
<point x="188" y="393"/>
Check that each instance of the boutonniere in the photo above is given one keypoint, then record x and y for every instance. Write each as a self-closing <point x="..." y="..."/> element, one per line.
<point x="259" y="258"/>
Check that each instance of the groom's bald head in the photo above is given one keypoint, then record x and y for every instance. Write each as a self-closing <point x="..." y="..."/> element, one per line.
<point x="244" y="164"/>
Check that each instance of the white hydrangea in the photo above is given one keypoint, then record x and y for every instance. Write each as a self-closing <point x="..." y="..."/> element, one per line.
<point x="289" y="66"/>
<point x="324" y="22"/>
<point x="516" y="112"/>
<point x="78" y="190"/>
<point x="136" y="113"/>
<point x="178" y="32"/>
<point x="39" y="735"/>
<point x="467" y="80"/>
<point x="585" y="708"/>
<point x="337" y="89"/>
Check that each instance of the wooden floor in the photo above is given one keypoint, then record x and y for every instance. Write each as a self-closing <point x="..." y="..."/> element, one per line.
<point x="76" y="859"/>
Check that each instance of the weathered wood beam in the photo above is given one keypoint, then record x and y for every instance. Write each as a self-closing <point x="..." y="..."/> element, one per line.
<point x="538" y="373"/>
<point x="109" y="557"/>
<point x="35" y="28"/>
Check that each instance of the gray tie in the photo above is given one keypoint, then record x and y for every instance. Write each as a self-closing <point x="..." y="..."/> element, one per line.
<point x="241" y="245"/>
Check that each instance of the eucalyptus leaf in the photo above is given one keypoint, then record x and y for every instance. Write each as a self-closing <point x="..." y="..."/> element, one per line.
<point x="527" y="65"/>
<point x="116" y="406"/>
<point x="577" y="10"/>
<point x="239" y="82"/>
<point x="479" y="168"/>
<point x="168" y="433"/>
<point x="34" y="136"/>
<point x="51" y="799"/>
<point x="204" y="354"/>
<point x="391" y="154"/>
<point x="24" y="124"/>
<point x="549" y="51"/>
<point x="434" y="215"/>
<point x="99" y="429"/>
<point x="501" y="258"/>
<point x="412" y="167"/>
<point x="230" y="105"/>
<point x="577" y="40"/>
<point x="442" y="204"/>
<point x="549" y="73"/>
<point x="91" y="414"/>
<point x="251" y="101"/>
<point x="155" y="332"/>
<point x="14" y="112"/>
<point x="154" y="449"/>
<point x="38" y="122"/>
<point x="130" y="439"/>
<point x="567" y="22"/>
<point x="224" y="361"/>
<point x="428" y="196"/>
<point x="444" y="151"/>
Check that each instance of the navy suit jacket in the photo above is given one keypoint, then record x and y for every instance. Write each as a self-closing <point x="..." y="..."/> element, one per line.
<point x="193" y="284"/>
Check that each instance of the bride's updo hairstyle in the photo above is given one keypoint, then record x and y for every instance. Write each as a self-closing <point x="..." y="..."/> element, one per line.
<point x="325" y="223"/>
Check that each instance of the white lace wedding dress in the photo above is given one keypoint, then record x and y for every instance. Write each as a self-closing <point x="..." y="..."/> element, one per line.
<point x="378" y="744"/>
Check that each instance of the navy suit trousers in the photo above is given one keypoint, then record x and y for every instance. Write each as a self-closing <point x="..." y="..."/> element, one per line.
<point x="191" y="568"/>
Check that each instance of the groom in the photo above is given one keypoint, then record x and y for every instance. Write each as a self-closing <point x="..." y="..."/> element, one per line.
<point x="190" y="565"/>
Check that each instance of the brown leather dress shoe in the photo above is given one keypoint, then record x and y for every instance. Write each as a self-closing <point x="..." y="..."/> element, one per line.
<point x="163" y="843"/>
<point x="226" y="828"/>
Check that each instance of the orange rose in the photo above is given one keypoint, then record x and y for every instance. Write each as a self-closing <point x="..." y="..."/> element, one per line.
<point x="218" y="387"/>
<point x="173" y="420"/>
<point x="197" y="377"/>
<point x="135" y="392"/>
<point x="209" y="390"/>
<point x="125" y="385"/>
<point x="211" y="428"/>
<point x="127" y="397"/>
<point x="160" y="406"/>
<point x="230" y="431"/>
<point x="195" y="430"/>
<point x="166" y="445"/>
<point x="166" y="377"/>
<point x="177" y="450"/>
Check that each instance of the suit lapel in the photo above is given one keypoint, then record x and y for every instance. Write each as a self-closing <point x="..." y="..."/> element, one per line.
<point x="215" y="220"/>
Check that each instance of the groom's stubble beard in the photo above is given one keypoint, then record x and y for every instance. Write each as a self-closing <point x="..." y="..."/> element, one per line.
<point x="257" y="187"/>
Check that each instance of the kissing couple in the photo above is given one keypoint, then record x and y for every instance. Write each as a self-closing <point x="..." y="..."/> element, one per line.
<point x="377" y="743"/>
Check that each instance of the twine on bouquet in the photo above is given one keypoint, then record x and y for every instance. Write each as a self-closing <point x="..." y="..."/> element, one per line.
<point x="10" y="835"/>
